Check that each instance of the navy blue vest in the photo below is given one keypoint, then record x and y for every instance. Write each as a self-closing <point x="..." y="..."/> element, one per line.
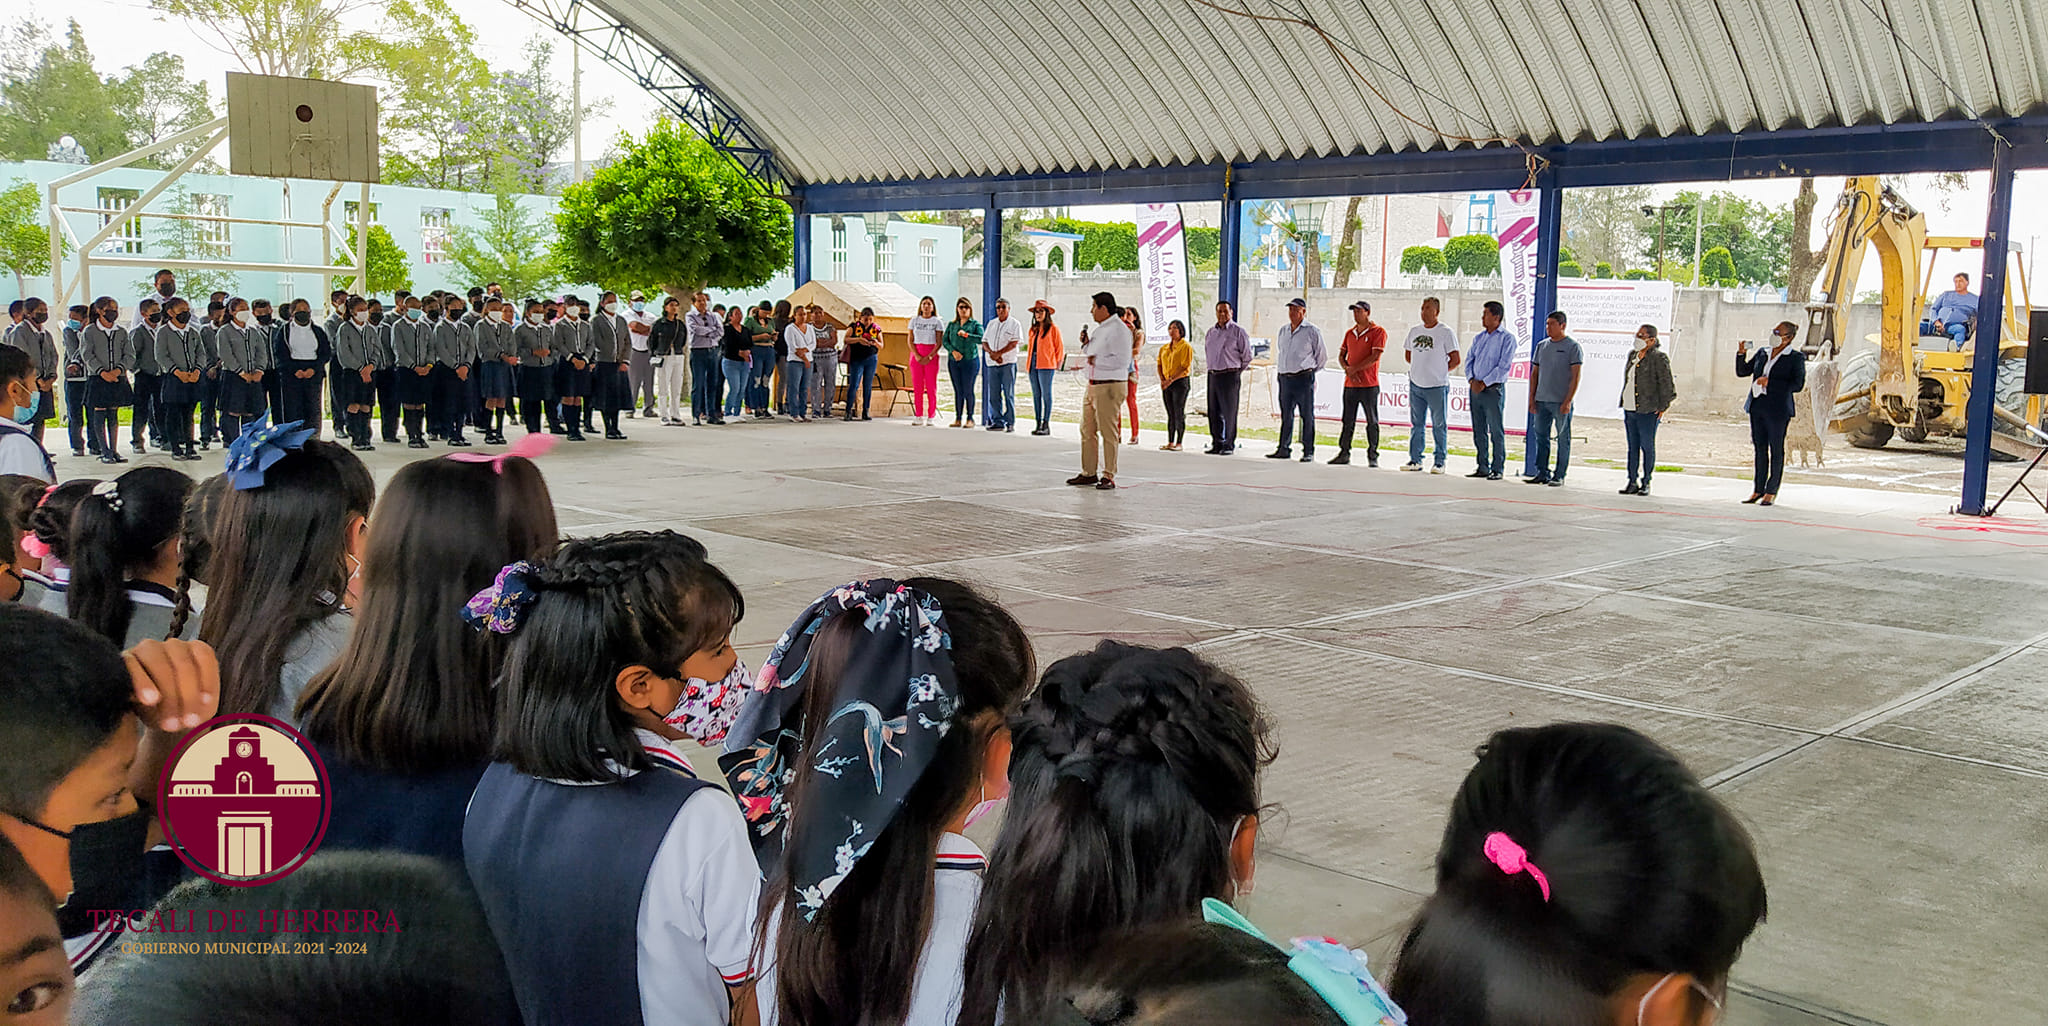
<point x="560" y="869"/>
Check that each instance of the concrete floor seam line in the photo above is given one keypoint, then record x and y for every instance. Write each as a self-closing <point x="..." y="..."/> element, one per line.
<point x="1042" y="593"/>
<point x="1412" y="564"/>
<point x="1804" y="1007"/>
<point x="1757" y="762"/>
<point x="595" y="512"/>
<point x="1906" y="703"/>
<point x="1555" y="689"/>
<point x="1285" y="854"/>
<point x="1971" y="760"/>
<point x="1780" y="614"/>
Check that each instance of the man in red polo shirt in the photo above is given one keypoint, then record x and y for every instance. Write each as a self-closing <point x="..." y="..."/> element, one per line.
<point x="1360" y="358"/>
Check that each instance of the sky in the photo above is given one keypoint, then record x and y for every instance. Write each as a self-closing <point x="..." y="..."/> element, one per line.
<point x="122" y="32"/>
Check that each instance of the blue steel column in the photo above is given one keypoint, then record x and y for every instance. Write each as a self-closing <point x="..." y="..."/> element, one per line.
<point x="1990" y="325"/>
<point x="991" y="258"/>
<point x="1549" y="236"/>
<point x="1227" y="255"/>
<point x="800" y="245"/>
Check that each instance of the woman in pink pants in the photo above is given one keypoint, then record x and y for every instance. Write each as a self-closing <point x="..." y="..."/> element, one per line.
<point x="924" y="362"/>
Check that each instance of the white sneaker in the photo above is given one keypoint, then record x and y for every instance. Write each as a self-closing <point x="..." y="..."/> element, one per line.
<point x="1411" y="466"/>
<point x="1436" y="470"/>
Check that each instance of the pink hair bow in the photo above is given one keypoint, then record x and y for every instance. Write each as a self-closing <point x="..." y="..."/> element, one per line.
<point x="531" y="447"/>
<point x="1512" y="858"/>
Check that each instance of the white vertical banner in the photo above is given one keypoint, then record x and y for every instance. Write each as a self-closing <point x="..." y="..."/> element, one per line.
<point x="1515" y="216"/>
<point x="1162" y="268"/>
<point x="1604" y="317"/>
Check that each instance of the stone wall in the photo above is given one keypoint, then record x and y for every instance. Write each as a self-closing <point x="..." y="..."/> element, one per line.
<point x="1701" y="342"/>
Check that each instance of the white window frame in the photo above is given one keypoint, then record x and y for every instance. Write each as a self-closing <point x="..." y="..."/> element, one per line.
<point x="885" y="257"/>
<point x="928" y="260"/>
<point x="127" y="240"/>
<point x="839" y="253"/>
<point x="216" y="238"/>
<point x="348" y="212"/>
<point x="436" y="226"/>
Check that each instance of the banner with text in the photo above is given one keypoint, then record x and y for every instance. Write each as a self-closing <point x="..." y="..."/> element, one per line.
<point x="1163" y="268"/>
<point x="1604" y="317"/>
<point x="1393" y="403"/>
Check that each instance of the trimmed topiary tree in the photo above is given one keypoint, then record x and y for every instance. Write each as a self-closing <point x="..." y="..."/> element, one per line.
<point x="1474" y="256"/>
<point x="1423" y="260"/>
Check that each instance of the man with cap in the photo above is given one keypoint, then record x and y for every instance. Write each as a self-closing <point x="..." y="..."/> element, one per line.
<point x="1226" y="352"/>
<point x="1360" y="358"/>
<point x="640" y="368"/>
<point x="1298" y="355"/>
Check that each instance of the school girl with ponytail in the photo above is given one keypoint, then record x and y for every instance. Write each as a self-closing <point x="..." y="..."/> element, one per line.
<point x="890" y="699"/>
<point x="654" y="924"/>
<point x="287" y="541"/>
<point x="1134" y="795"/>
<point x="125" y="556"/>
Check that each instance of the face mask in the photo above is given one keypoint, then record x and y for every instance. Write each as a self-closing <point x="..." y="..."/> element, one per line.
<point x="376" y="317"/>
<point x="454" y="312"/>
<point x="154" y="319"/>
<point x="981" y="808"/>
<point x="533" y="318"/>
<point x="167" y="289"/>
<point x="707" y="708"/>
<point x="496" y="316"/>
<point x="639" y="307"/>
<point x="362" y="317"/>
<point x="106" y="863"/>
<point x="433" y="315"/>
<point x="24" y="414"/>
<point x="266" y="319"/>
<point x="74" y="323"/>
<point x="1238" y="890"/>
<point x="1641" y="345"/>
<point x="107" y="317"/>
<point x="302" y="317"/>
<point x="415" y="313"/>
<point x="611" y="308"/>
<point x="180" y="318"/>
<point x="1643" y="1006"/>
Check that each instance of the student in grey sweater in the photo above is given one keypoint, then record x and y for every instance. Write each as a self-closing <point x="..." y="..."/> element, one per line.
<point x="108" y="361"/>
<point x="181" y="357"/>
<point x="412" y="354"/>
<point x="454" y="362"/>
<point x="245" y="357"/>
<point x="358" y="345"/>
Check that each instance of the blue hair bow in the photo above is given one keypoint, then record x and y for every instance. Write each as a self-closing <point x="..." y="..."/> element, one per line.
<point x="261" y="445"/>
<point x="1336" y="973"/>
<point x="501" y="607"/>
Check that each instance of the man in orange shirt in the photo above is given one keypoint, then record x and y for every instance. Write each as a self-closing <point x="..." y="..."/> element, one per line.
<point x="1360" y="358"/>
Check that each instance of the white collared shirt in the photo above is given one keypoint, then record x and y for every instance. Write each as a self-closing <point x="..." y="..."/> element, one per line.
<point x="800" y="341"/>
<point x="1756" y="385"/>
<point x="941" y="969"/>
<point x="997" y="334"/>
<point x="1109" y="342"/>
<point x="696" y="922"/>
<point x="644" y="319"/>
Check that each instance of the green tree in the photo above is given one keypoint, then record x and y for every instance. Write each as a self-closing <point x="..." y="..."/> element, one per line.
<point x="157" y="101"/>
<point x="298" y="38"/>
<point x="1205" y="248"/>
<point x="24" y="234"/>
<point x="55" y="94"/>
<point x="1570" y="269"/>
<point x="1717" y="267"/>
<point x="1606" y="223"/>
<point x="510" y="248"/>
<point x="180" y="239"/>
<point x="1112" y="245"/>
<point x="1638" y="274"/>
<point x="1346" y="262"/>
<point x="1756" y="235"/>
<point x="1423" y="260"/>
<point x="390" y="267"/>
<point x="1474" y="256"/>
<point x="1603" y="269"/>
<point x="671" y="212"/>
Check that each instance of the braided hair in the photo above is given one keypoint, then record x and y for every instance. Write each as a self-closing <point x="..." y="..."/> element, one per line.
<point x="195" y="547"/>
<point x="1130" y="772"/>
<point x="604" y="605"/>
<point x="119" y="530"/>
<point x="50" y="520"/>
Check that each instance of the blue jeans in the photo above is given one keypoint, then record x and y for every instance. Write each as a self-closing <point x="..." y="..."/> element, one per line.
<point x="860" y="381"/>
<point x="763" y="378"/>
<point x="999" y="395"/>
<point x="736" y="381"/>
<point x="704" y="377"/>
<point x="1298" y="397"/>
<point x="1642" y="444"/>
<point x="796" y="388"/>
<point x="1549" y="415"/>
<point x="1428" y="405"/>
<point x="1041" y="395"/>
<point x="1489" y="427"/>
<point x="963" y="372"/>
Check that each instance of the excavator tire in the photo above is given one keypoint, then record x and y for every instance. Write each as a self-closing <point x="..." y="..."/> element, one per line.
<point x="1869" y="434"/>
<point x="1859" y="372"/>
<point x="1911" y="433"/>
<point x="2012" y="392"/>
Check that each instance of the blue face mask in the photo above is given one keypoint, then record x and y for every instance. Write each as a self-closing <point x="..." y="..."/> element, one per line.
<point x="639" y="307"/>
<point x="74" y="324"/>
<point x="24" y="414"/>
<point x="415" y="313"/>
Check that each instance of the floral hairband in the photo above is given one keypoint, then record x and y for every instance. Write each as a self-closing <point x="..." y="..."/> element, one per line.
<point x="501" y="608"/>
<point x="261" y="445"/>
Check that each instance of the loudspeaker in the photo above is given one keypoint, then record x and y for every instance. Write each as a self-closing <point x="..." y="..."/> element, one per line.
<point x="2037" y="352"/>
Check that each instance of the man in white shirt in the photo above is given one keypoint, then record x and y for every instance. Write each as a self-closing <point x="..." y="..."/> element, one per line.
<point x="1298" y="354"/>
<point x="1108" y="353"/>
<point x="1432" y="353"/>
<point x="1002" y="339"/>
<point x="640" y="331"/>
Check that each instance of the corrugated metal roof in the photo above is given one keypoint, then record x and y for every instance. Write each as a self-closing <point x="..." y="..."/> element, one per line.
<point x="868" y="90"/>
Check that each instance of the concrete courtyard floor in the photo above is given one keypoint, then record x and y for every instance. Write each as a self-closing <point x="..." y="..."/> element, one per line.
<point x="1862" y="677"/>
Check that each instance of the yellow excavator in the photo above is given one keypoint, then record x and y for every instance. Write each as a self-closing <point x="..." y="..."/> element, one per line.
<point x="1913" y="385"/>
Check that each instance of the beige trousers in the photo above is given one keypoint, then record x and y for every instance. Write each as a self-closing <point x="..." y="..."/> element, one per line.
<point x="1101" y="425"/>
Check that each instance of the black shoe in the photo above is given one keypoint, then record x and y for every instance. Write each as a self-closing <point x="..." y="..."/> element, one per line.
<point x="1477" y="473"/>
<point x="1342" y="459"/>
<point x="458" y="442"/>
<point x="1542" y="479"/>
<point x="1308" y="457"/>
<point x="206" y="445"/>
<point x="1107" y="484"/>
<point x="363" y="447"/>
<point x="1009" y="429"/>
<point x="557" y="429"/>
<point x="1041" y="432"/>
<point x="415" y="442"/>
<point x="107" y="458"/>
<point x="1493" y="477"/>
<point x="1643" y="489"/>
<point x="1280" y="454"/>
<point x="1632" y="489"/>
<point x="392" y="440"/>
<point x="575" y="435"/>
<point x="137" y="448"/>
<point x="615" y="435"/>
<point x="992" y="427"/>
<point x="1083" y="480"/>
<point x="1555" y="482"/>
<point x="866" y="417"/>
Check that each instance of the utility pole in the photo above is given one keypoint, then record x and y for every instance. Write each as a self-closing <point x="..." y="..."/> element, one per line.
<point x="576" y="107"/>
<point x="1659" y="213"/>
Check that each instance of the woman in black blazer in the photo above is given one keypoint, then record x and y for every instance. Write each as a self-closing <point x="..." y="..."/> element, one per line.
<point x="1777" y="374"/>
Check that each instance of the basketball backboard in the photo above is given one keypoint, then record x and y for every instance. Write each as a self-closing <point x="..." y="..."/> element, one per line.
<point x="301" y="128"/>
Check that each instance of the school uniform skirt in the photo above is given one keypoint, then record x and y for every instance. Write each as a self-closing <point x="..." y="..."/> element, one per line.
<point x="177" y="392"/>
<point x="351" y="390"/>
<point x="571" y="383"/>
<point x="536" y="383"/>
<point x="494" y="379"/>
<point x="101" y="394"/>
<point x="414" y="388"/>
<point x="240" y="398"/>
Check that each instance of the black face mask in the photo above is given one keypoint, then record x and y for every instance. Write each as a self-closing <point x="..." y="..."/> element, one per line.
<point x="169" y="288"/>
<point x="433" y="315"/>
<point x="180" y="318"/>
<point x="107" y="318"/>
<point x="376" y="317"/>
<point x="302" y="317"/>
<point x="454" y="312"/>
<point x="39" y="317"/>
<point x="265" y="319"/>
<point x="155" y="318"/>
<point x="106" y="868"/>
